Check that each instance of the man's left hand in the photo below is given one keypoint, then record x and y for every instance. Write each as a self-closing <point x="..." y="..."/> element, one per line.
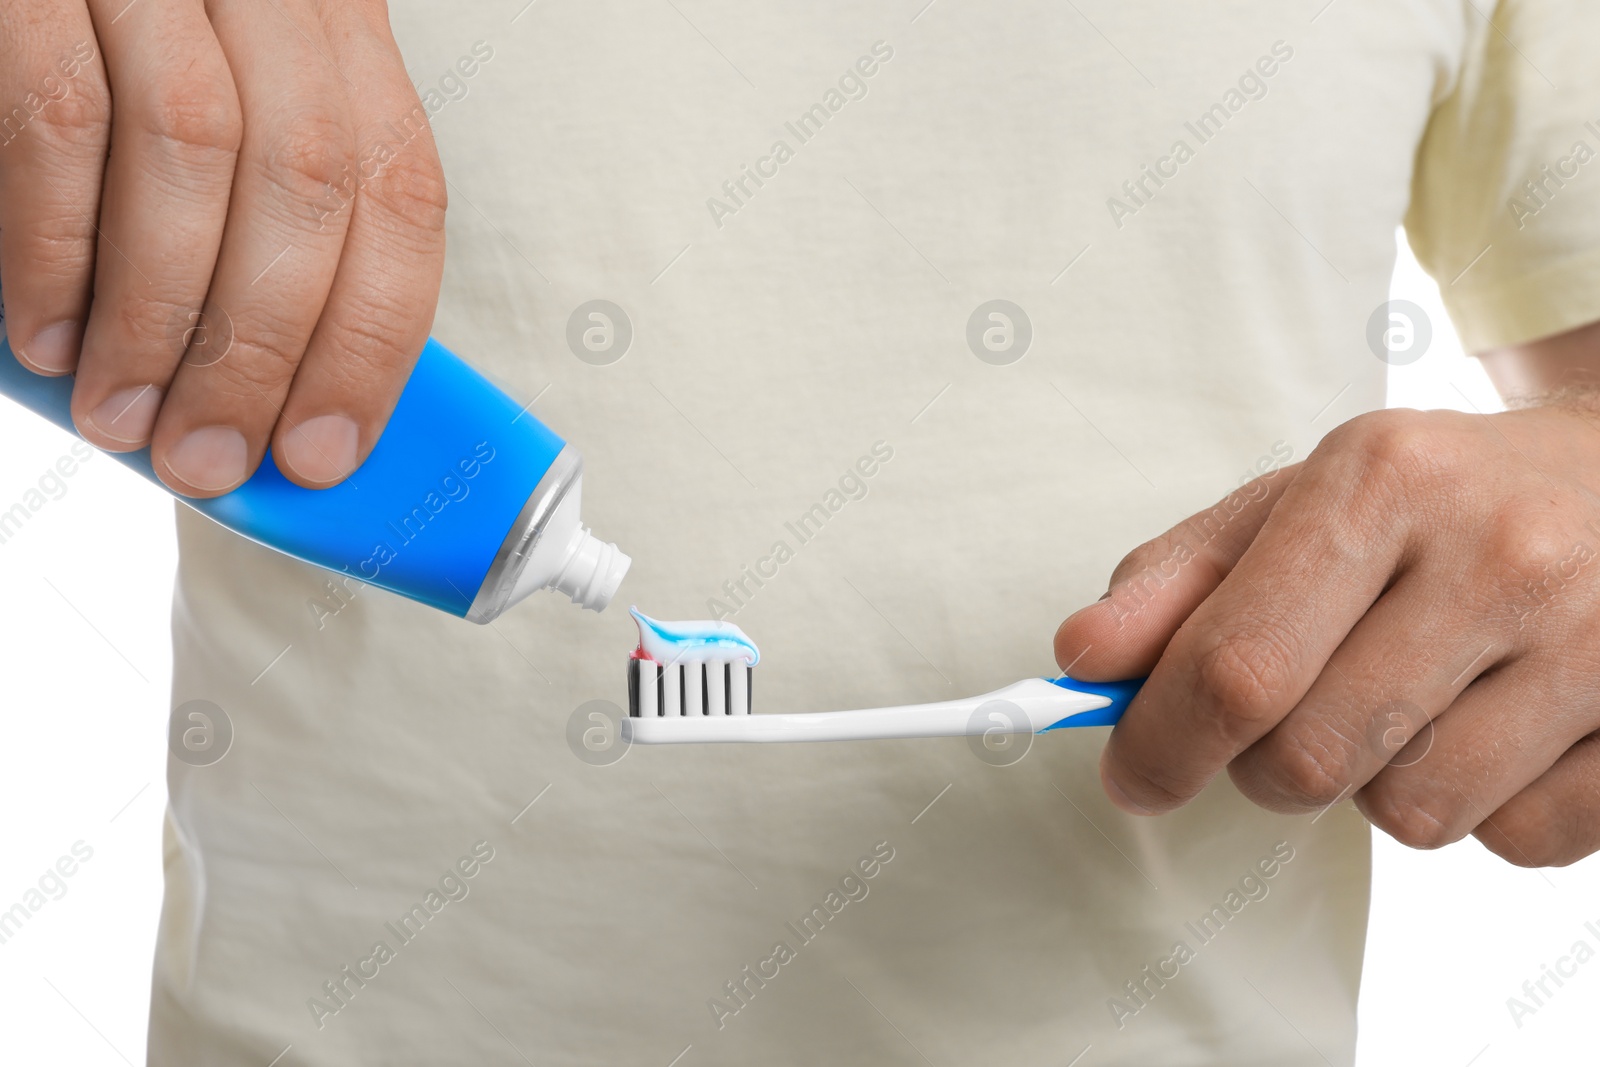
<point x="1411" y="617"/>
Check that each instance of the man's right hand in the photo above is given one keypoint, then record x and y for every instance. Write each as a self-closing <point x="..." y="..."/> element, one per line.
<point x="226" y="218"/>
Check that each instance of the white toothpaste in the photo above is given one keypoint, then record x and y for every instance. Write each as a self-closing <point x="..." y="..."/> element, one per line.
<point x="694" y="641"/>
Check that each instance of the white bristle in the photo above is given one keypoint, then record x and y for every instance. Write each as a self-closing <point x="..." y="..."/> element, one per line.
<point x="694" y="697"/>
<point x="717" y="687"/>
<point x="739" y="688"/>
<point x="649" y="671"/>
<point x="673" y="704"/>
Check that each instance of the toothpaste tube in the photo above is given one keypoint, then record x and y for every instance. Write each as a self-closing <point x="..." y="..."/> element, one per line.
<point x="467" y="503"/>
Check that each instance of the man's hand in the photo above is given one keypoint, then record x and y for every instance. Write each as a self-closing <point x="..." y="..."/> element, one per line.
<point x="226" y="218"/>
<point x="1411" y="616"/>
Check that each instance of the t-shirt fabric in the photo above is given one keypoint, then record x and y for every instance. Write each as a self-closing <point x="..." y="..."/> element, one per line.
<point x="917" y="320"/>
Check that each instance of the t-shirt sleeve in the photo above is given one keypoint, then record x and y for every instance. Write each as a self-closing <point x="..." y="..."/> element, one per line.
<point x="1505" y="198"/>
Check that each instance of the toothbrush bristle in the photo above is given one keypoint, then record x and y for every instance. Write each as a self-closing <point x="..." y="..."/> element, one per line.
<point x="674" y="689"/>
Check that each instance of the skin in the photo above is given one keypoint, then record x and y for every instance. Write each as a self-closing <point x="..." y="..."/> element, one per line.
<point x="1409" y="618"/>
<point x="216" y="221"/>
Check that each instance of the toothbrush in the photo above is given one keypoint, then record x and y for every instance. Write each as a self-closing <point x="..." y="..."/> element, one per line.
<point x="1034" y="705"/>
<point x="690" y="683"/>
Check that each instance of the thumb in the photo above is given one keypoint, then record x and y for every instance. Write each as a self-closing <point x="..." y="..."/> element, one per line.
<point x="1159" y="584"/>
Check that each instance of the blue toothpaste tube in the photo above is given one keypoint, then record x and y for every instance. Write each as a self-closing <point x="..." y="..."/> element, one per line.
<point x="467" y="502"/>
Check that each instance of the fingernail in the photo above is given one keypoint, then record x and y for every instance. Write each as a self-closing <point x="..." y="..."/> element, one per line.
<point x="128" y="415"/>
<point x="321" y="449"/>
<point x="211" y="458"/>
<point x="54" y="349"/>
<point x="1120" y="799"/>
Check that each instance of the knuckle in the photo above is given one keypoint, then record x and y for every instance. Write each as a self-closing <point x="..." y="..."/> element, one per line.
<point x="197" y="113"/>
<point x="146" y="323"/>
<point x="81" y="117"/>
<point x="1307" y="772"/>
<point x="1246" y="679"/>
<point x="1525" y="833"/>
<point x="367" y="345"/>
<point x="258" y="365"/>
<point x="410" y="186"/>
<point x="310" y="154"/>
<point x="1530" y="849"/>
<point x="1409" y="822"/>
<point x="1147" y="786"/>
<point x="1531" y="567"/>
<point x="1396" y="442"/>
<point x="1526" y="543"/>
<point x="59" y="246"/>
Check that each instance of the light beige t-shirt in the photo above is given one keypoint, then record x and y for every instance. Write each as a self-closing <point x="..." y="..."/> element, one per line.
<point x="805" y="212"/>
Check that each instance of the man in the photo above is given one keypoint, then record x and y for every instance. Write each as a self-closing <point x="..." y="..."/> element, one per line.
<point x="929" y="315"/>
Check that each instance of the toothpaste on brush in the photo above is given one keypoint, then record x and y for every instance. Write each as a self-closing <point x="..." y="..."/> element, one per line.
<point x="698" y="667"/>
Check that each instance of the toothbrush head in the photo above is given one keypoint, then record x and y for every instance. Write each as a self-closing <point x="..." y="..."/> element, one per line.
<point x="677" y="689"/>
<point x="690" y="668"/>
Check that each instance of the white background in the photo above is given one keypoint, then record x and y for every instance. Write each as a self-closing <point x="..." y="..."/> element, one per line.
<point x="86" y="589"/>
